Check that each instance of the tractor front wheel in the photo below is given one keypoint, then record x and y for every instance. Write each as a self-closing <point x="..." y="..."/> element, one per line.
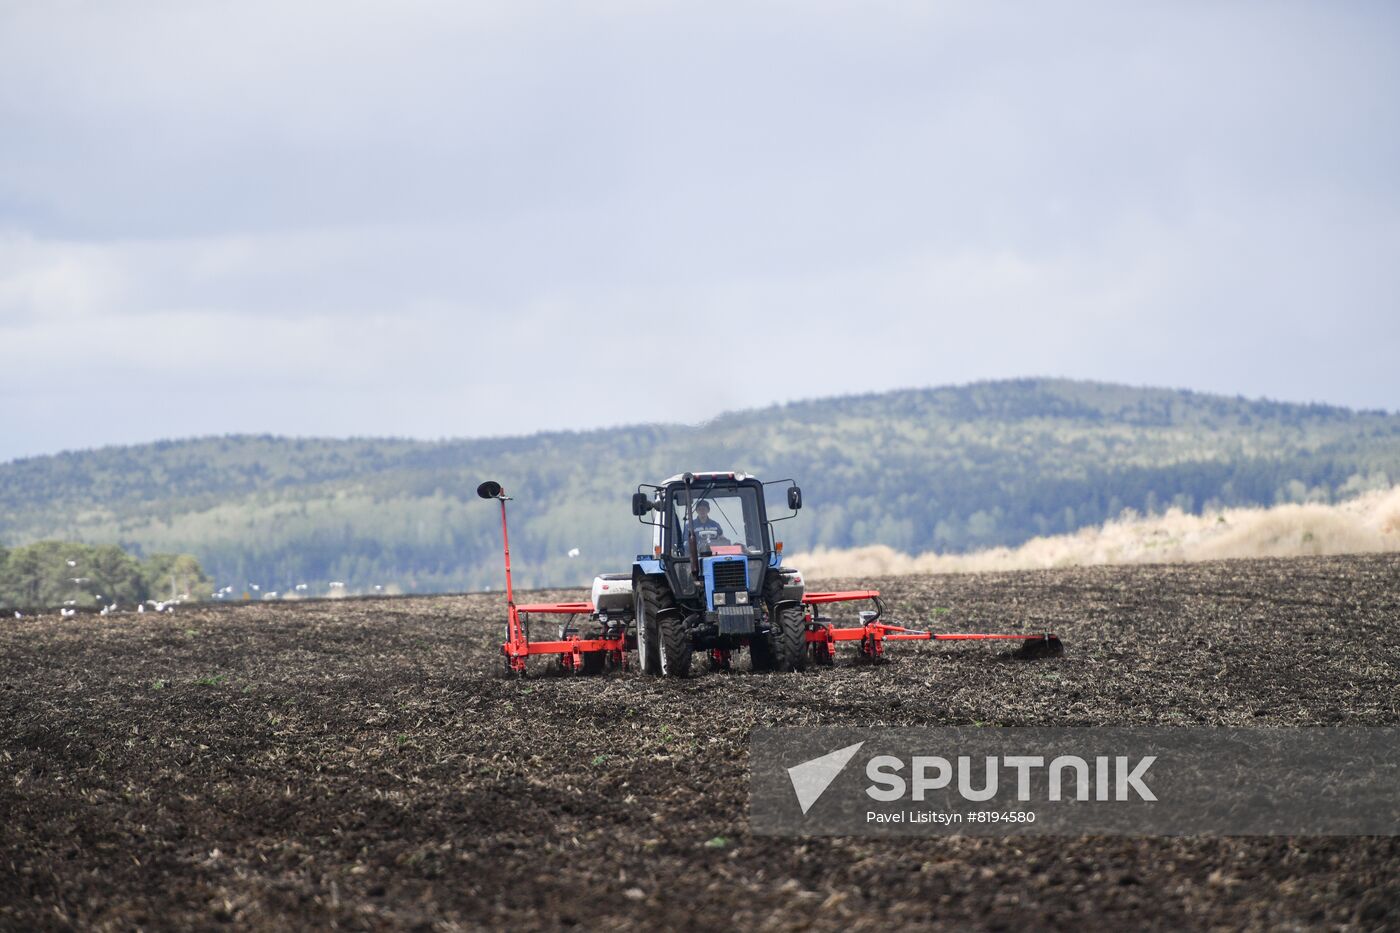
<point x="674" y="642"/>
<point x="787" y="637"/>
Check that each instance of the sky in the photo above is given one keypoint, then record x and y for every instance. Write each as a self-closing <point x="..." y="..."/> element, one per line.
<point x="448" y="219"/>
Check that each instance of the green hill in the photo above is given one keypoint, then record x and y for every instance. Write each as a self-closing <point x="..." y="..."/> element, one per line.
<point x="950" y="469"/>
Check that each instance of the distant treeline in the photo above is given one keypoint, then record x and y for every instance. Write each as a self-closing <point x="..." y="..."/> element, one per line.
<point x="63" y="573"/>
<point x="950" y="470"/>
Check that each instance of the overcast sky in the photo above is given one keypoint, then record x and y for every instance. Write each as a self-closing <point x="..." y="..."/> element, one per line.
<point x="455" y="219"/>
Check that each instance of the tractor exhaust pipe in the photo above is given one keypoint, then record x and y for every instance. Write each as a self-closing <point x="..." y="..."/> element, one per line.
<point x="692" y="541"/>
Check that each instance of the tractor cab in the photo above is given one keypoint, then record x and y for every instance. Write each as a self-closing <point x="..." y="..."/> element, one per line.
<point x="708" y="523"/>
<point x="726" y="519"/>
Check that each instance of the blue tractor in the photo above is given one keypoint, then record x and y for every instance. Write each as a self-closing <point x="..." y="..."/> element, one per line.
<point x="714" y="581"/>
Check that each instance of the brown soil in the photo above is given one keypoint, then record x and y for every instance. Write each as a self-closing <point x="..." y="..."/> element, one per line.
<point x="362" y="764"/>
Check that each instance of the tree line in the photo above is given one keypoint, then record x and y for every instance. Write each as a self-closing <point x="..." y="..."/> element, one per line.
<point x="949" y="469"/>
<point x="66" y="573"/>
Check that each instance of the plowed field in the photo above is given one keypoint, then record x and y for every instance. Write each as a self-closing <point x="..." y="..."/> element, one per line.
<point x="362" y="764"/>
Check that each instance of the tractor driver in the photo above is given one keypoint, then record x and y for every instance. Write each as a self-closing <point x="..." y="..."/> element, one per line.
<point x="706" y="529"/>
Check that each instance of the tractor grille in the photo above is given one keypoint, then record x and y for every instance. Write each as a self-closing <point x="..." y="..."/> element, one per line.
<point x="731" y="575"/>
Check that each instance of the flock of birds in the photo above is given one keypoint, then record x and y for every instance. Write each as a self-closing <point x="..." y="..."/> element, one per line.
<point x="335" y="585"/>
<point x="70" y="606"/>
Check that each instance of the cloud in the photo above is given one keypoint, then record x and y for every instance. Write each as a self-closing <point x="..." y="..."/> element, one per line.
<point x="318" y="219"/>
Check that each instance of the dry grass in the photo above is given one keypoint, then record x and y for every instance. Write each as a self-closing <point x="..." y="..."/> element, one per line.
<point x="1368" y="524"/>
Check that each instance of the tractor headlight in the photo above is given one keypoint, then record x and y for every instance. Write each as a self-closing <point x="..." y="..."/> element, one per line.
<point x="741" y="598"/>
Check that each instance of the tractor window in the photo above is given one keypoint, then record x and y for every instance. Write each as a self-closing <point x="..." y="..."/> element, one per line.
<point x="723" y="516"/>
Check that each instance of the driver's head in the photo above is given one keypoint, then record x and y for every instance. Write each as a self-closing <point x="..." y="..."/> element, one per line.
<point x="702" y="510"/>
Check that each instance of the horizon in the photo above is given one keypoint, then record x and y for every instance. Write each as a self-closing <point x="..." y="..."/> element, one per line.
<point x="546" y="431"/>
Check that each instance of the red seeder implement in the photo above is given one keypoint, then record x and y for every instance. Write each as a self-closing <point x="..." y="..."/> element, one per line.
<point x="872" y="634"/>
<point x="608" y="649"/>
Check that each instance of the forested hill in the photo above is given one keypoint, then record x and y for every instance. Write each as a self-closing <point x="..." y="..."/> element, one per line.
<point x="955" y="468"/>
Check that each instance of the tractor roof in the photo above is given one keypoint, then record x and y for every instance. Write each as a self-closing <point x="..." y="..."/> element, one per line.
<point x="707" y="477"/>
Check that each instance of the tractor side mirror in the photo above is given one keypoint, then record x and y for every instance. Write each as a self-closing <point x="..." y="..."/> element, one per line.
<point x="489" y="489"/>
<point x="795" y="497"/>
<point x="641" y="505"/>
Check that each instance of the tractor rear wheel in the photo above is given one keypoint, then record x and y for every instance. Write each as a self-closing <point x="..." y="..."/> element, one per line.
<point x="647" y="657"/>
<point x="652" y="603"/>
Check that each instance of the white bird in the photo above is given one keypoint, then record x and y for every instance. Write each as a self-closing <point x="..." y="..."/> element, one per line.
<point x="301" y="587"/>
<point x="103" y="612"/>
<point x="169" y="608"/>
<point x="79" y="579"/>
<point x="140" y="607"/>
<point x="336" y="584"/>
<point x="270" y="595"/>
<point x="70" y="602"/>
<point x="97" y="596"/>
<point x="19" y="615"/>
<point x="253" y="586"/>
<point x="72" y="563"/>
<point x="573" y="552"/>
<point x="377" y="588"/>
<point x="67" y="612"/>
